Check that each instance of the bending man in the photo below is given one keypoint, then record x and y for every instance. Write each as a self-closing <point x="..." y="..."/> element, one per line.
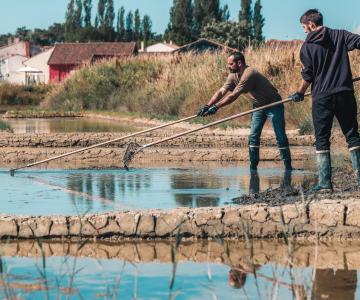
<point x="244" y="79"/>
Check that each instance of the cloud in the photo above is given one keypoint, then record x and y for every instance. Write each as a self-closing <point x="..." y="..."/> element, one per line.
<point x="357" y="29"/>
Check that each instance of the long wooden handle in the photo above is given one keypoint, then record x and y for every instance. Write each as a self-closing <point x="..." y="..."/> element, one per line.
<point x="223" y="120"/>
<point x="101" y="144"/>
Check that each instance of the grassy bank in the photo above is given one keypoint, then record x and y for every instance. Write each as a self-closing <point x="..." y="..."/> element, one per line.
<point x="166" y="87"/>
<point x="22" y="95"/>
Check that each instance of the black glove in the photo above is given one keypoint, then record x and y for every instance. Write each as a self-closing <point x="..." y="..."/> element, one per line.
<point x="297" y="97"/>
<point x="203" y="111"/>
<point x="212" y="110"/>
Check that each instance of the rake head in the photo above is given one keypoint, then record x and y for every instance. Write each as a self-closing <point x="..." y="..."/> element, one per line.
<point x="130" y="152"/>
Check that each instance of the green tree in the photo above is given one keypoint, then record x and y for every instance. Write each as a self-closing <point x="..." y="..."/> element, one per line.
<point x="23" y="33"/>
<point x="181" y="26"/>
<point x="129" y="26"/>
<point x="56" y="33"/>
<point x="100" y="17"/>
<point x="109" y="17"/>
<point x="87" y="13"/>
<point x="146" y="29"/>
<point x="245" y="18"/>
<point x="137" y="26"/>
<point x="258" y="22"/>
<point x="120" y="24"/>
<point x="78" y="16"/>
<point x="206" y="11"/>
<point x="225" y="32"/>
<point x="70" y="22"/>
<point x="225" y="13"/>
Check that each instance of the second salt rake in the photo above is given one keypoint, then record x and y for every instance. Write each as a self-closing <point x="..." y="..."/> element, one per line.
<point x="134" y="148"/>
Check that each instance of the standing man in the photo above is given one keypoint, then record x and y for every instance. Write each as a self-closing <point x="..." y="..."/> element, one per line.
<point x="244" y="79"/>
<point x="324" y="56"/>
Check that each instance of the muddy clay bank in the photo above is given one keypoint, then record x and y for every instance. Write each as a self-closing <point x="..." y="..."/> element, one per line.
<point x="210" y="146"/>
<point x="325" y="218"/>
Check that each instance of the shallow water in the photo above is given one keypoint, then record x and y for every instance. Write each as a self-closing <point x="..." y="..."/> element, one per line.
<point x="58" y="125"/>
<point x="207" y="270"/>
<point x="47" y="192"/>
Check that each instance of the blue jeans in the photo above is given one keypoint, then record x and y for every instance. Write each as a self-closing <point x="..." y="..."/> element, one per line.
<point x="276" y="115"/>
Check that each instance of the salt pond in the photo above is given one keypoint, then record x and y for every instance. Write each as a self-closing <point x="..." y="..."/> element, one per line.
<point x="70" y="192"/>
<point x="58" y="125"/>
<point x="207" y="270"/>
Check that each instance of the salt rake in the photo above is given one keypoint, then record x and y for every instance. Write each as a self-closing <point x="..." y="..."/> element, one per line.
<point x="134" y="148"/>
<point x="12" y="171"/>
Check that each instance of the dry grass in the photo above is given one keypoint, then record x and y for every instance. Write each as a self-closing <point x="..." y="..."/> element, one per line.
<point x="15" y="94"/>
<point x="163" y="86"/>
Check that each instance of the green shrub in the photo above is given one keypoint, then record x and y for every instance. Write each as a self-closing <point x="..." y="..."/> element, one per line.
<point x="14" y="94"/>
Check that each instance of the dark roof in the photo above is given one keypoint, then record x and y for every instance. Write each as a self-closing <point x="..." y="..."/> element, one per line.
<point x="77" y="53"/>
<point x="202" y="45"/>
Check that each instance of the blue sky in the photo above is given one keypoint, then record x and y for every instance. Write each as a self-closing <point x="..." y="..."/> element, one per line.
<point x="282" y="16"/>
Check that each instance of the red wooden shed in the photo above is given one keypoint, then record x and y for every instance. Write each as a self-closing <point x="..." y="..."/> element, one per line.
<point x="70" y="56"/>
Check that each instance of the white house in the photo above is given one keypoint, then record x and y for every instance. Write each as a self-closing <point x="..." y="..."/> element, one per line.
<point x="39" y="62"/>
<point x="9" y="67"/>
<point x="12" y="57"/>
<point x="16" y="48"/>
<point x="161" y="48"/>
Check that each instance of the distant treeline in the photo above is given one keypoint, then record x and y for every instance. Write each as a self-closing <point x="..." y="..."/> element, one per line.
<point x="189" y="20"/>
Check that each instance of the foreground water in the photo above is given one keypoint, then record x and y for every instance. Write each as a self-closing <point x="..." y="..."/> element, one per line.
<point x="47" y="192"/>
<point x="58" y="125"/>
<point x="193" y="270"/>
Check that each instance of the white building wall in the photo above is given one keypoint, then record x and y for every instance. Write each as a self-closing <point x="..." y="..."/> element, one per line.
<point x="8" y="68"/>
<point x="39" y="62"/>
<point x="160" y="48"/>
<point x="19" y="48"/>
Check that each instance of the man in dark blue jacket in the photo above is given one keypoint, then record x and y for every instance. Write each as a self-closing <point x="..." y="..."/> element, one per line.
<point x="326" y="67"/>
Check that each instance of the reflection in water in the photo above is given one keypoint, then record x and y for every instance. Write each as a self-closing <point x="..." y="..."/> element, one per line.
<point x="285" y="183"/>
<point x="104" y="190"/>
<point x="334" y="284"/>
<point x="206" y="269"/>
<point x="201" y="184"/>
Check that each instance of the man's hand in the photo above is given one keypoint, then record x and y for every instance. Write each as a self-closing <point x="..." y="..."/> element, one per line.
<point x="297" y="97"/>
<point x="212" y="110"/>
<point x="203" y="111"/>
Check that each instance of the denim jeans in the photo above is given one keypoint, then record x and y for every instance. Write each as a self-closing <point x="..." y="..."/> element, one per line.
<point x="276" y="115"/>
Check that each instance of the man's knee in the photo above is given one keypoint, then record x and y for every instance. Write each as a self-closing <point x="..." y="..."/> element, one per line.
<point x="254" y="140"/>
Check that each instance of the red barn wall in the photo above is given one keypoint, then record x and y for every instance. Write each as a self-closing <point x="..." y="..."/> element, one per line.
<point x="60" y="72"/>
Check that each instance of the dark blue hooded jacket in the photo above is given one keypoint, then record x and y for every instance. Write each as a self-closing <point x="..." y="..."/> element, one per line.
<point x="324" y="56"/>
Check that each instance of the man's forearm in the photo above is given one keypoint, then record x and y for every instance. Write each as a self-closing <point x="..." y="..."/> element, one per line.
<point x="217" y="96"/>
<point x="304" y="86"/>
<point x="228" y="99"/>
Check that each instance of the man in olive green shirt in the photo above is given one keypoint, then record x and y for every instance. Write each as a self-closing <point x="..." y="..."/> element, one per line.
<point x="244" y="79"/>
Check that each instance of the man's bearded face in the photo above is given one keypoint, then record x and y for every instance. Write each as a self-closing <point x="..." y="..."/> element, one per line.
<point x="234" y="67"/>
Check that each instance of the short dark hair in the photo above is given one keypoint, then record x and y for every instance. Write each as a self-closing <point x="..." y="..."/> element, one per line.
<point x="312" y="15"/>
<point x="238" y="56"/>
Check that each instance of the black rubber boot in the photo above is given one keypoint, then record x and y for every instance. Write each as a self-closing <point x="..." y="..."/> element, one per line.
<point x="286" y="157"/>
<point x="355" y="161"/>
<point x="254" y="185"/>
<point x="254" y="154"/>
<point x="286" y="181"/>
<point x="323" y="162"/>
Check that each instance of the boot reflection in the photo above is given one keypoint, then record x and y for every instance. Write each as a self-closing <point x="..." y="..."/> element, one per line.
<point x="254" y="185"/>
<point x="285" y="184"/>
<point x="334" y="284"/>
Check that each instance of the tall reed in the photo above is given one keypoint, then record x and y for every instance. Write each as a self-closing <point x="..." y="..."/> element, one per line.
<point x="168" y="86"/>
